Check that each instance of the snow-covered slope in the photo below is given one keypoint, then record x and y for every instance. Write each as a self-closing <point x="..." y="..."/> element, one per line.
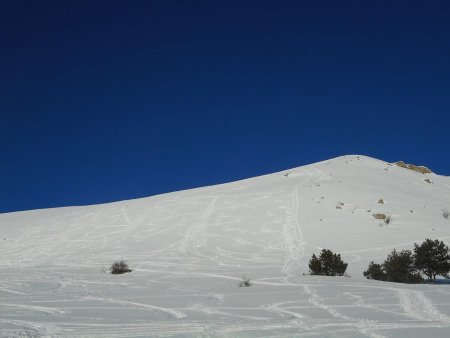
<point x="189" y="250"/>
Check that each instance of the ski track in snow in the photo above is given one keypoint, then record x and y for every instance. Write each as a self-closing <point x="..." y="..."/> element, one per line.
<point x="173" y="313"/>
<point x="191" y="241"/>
<point x="416" y="305"/>
<point x="292" y="236"/>
<point x="363" y="326"/>
<point x="292" y="230"/>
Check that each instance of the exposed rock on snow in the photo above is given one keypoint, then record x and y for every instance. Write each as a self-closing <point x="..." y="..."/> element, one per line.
<point x="379" y="216"/>
<point x="420" y="169"/>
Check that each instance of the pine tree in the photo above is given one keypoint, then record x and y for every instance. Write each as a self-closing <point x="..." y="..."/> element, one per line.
<point x="328" y="264"/>
<point x="400" y="268"/>
<point x="315" y="267"/>
<point x="432" y="258"/>
<point x="375" y="271"/>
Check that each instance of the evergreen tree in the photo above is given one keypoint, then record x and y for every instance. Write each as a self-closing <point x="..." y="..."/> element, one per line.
<point x="327" y="264"/>
<point x="399" y="267"/>
<point x="375" y="271"/>
<point x="315" y="267"/>
<point x="432" y="258"/>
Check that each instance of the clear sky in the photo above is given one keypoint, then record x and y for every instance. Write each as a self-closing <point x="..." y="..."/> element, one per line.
<point x="110" y="100"/>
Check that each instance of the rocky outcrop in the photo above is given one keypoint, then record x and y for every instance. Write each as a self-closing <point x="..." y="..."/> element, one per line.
<point x="420" y="168"/>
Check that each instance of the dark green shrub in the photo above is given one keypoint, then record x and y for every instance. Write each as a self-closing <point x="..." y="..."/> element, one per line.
<point x="375" y="271"/>
<point x="315" y="266"/>
<point x="120" y="267"/>
<point x="245" y="282"/>
<point x="399" y="267"/>
<point x="327" y="264"/>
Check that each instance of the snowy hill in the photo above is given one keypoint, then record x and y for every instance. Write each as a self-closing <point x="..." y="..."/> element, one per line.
<point x="189" y="249"/>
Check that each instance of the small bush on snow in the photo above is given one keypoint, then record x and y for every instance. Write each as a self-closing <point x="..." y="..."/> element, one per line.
<point x="120" y="267"/>
<point x="445" y="213"/>
<point x="245" y="282"/>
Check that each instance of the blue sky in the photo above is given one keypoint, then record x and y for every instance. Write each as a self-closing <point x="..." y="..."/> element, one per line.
<point x="110" y="100"/>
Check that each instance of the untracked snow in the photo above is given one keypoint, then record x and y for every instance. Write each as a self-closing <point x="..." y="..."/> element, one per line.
<point x="190" y="249"/>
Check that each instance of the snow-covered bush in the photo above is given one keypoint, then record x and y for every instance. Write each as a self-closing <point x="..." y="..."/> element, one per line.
<point x="120" y="267"/>
<point x="327" y="264"/>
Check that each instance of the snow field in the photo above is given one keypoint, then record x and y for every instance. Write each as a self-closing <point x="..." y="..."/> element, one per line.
<point x="190" y="249"/>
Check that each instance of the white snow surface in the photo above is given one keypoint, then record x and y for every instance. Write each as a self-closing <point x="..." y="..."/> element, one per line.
<point x="190" y="249"/>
